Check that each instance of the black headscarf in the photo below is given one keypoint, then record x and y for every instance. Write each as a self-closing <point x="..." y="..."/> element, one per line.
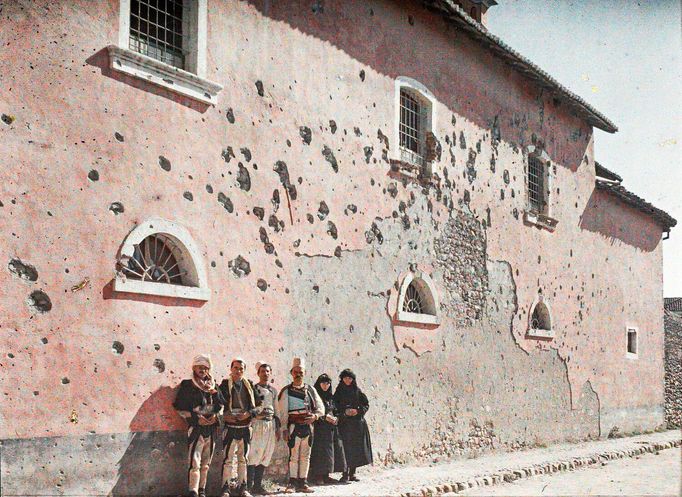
<point x="325" y="396"/>
<point x="347" y="395"/>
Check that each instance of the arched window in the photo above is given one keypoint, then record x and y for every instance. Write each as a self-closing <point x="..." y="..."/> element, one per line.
<point x="540" y="319"/>
<point x="160" y="257"/>
<point x="418" y="300"/>
<point x="414" y="124"/>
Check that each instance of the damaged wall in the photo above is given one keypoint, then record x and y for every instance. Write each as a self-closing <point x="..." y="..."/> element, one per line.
<point x="305" y="232"/>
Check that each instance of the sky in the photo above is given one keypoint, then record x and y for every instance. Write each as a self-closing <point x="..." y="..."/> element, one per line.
<point x="623" y="57"/>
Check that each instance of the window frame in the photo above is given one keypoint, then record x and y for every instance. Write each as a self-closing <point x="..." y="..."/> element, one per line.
<point x="190" y="81"/>
<point x="427" y="101"/>
<point x="433" y="299"/>
<point x="541" y="219"/>
<point x="191" y="256"/>
<point x="537" y="332"/>
<point x="628" y="354"/>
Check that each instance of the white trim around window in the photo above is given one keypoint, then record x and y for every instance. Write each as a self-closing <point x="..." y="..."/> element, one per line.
<point x="429" y="295"/>
<point x="190" y="82"/>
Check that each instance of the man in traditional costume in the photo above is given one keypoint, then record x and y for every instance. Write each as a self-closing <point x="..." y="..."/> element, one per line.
<point x="199" y="402"/>
<point x="299" y="406"/>
<point x="240" y="407"/>
<point x="352" y="405"/>
<point x="265" y="429"/>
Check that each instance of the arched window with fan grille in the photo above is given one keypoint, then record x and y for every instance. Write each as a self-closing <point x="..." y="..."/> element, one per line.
<point x="540" y="319"/>
<point x="418" y="300"/>
<point x="160" y="257"/>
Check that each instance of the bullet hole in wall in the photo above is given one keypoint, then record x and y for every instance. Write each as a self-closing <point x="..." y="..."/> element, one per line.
<point x="362" y="75"/>
<point x="188" y="196"/>
<point x="246" y="153"/>
<point x="93" y="175"/>
<point x="331" y="230"/>
<point x="117" y="208"/>
<point x="117" y="348"/>
<point x="39" y="302"/>
<point x="306" y="134"/>
<point x="259" y="212"/>
<point x="8" y="119"/>
<point x="240" y="266"/>
<point x="244" y="178"/>
<point x="22" y="270"/>
<point x="65" y="381"/>
<point x="262" y="284"/>
<point x="119" y="137"/>
<point x="329" y="157"/>
<point x="209" y="188"/>
<point x="227" y="154"/>
<point x="225" y="202"/>
<point x="164" y="163"/>
<point x="259" y="88"/>
<point x="368" y="153"/>
<point x="159" y="365"/>
<point x="323" y="211"/>
<point x="229" y="114"/>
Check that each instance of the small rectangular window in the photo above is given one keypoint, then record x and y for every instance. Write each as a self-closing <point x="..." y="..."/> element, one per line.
<point x="536" y="184"/>
<point x="156" y="30"/>
<point x="411" y="129"/>
<point x="632" y="341"/>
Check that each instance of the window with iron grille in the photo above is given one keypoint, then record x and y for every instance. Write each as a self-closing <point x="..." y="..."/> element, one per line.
<point x="156" y="259"/>
<point x="156" y="30"/>
<point x="536" y="185"/>
<point x="411" y="131"/>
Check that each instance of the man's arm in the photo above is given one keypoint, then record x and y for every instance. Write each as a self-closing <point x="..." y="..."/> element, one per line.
<point x="282" y="410"/>
<point x="319" y="405"/>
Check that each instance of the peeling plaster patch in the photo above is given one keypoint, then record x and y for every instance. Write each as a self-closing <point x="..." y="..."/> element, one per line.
<point x="306" y="134"/>
<point x="329" y="157"/>
<point x="39" y="302"/>
<point x="244" y="178"/>
<point x="22" y="270"/>
<point x="225" y="202"/>
<point x="117" y="348"/>
<point x="164" y="163"/>
<point x="159" y="365"/>
<point x="117" y="208"/>
<point x="93" y="175"/>
<point x="240" y="266"/>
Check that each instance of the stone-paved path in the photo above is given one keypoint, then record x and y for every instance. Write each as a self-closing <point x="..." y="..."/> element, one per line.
<point x="492" y="469"/>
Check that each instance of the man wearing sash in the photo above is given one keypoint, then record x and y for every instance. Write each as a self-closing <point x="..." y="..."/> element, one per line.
<point x="199" y="402"/>
<point x="299" y="407"/>
<point x="240" y="407"/>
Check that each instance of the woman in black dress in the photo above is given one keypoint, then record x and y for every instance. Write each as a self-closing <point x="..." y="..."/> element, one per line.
<point x="326" y="454"/>
<point x="352" y="405"/>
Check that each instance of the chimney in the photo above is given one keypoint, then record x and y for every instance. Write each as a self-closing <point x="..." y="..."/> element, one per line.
<point x="476" y="9"/>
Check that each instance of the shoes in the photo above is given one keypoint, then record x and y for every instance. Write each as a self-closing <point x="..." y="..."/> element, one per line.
<point x="329" y="481"/>
<point x="243" y="492"/>
<point x="259" y="491"/>
<point x="192" y="493"/>
<point x="290" y="489"/>
<point x="303" y="487"/>
<point x="353" y="478"/>
<point x="202" y="492"/>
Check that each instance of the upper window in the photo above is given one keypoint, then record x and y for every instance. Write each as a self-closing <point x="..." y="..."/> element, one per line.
<point x="156" y="28"/>
<point x="160" y="257"/>
<point x="540" y="321"/>
<point x="418" y="300"/>
<point x="537" y="184"/>
<point x="631" y="337"/>
<point x="414" y="122"/>
<point x="163" y="42"/>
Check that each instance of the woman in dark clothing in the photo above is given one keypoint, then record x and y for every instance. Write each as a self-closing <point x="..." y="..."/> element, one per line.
<point x="326" y="454"/>
<point x="352" y="405"/>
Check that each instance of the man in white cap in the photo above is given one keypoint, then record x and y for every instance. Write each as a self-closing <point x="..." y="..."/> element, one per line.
<point x="299" y="406"/>
<point x="240" y="408"/>
<point x="199" y="402"/>
<point x="265" y="429"/>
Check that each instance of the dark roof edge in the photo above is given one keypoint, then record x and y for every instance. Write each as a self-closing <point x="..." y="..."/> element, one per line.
<point x="602" y="172"/>
<point x="479" y="32"/>
<point x="665" y="220"/>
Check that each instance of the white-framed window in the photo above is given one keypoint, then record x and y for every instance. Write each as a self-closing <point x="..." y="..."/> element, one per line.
<point x="540" y="319"/>
<point x="538" y="178"/>
<point x="418" y="300"/>
<point x="631" y="342"/>
<point x="414" y="121"/>
<point x="164" y="42"/>
<point x="159" y="257"/>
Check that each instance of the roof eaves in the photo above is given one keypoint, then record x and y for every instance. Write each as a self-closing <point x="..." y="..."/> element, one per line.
<point x="664" y="219"/>
<point x="606" y="173"/>
<point x="454" y="13"/>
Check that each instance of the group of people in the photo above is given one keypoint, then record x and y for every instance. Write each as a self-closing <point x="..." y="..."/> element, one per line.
<point x="325" y="432"/>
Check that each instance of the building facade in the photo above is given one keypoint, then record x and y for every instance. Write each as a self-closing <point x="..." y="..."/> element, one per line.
<point x="386" y="187"/>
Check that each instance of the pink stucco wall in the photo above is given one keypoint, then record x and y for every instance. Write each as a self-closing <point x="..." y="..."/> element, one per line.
<point x="601" y="269"/>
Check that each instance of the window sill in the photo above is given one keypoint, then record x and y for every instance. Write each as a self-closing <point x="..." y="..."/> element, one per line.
<point x="537" y="333"/>
<point x="127" y="285"/>
<point x="413" y="317"/>
<point x="411" y="170"/>
<point x="156" y="72"/>
<point x="631" y="356"/>
<point x="540" y="220"/>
